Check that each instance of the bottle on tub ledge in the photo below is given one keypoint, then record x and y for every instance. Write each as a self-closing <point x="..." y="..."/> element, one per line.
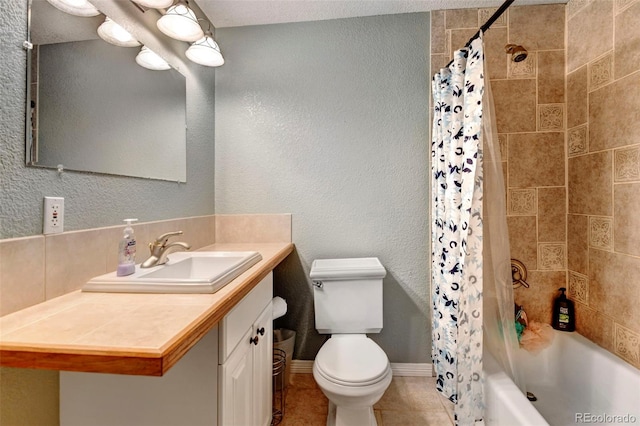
<point x="127" y="251"/>
<point x="563" y="313"/>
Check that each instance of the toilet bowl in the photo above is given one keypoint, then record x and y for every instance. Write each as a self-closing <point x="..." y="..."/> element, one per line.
<point x="353" y="372"/>
<point x="351" y="369"/>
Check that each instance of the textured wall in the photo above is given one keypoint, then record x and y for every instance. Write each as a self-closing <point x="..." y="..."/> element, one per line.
<point x="93" y="200"/>
<point x="329" y="121"/>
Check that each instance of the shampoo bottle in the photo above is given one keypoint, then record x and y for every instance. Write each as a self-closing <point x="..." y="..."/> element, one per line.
<point x="127" y="251"/>
<point x="563" y="313"/>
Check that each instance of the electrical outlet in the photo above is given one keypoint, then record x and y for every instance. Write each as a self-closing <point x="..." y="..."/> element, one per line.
<point x="53" y="222"/>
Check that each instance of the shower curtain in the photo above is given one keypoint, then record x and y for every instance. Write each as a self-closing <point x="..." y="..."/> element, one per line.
<point x="471" y="279"/>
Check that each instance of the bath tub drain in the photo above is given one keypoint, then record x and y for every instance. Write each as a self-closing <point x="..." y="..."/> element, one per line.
<point x="531" y="396"/>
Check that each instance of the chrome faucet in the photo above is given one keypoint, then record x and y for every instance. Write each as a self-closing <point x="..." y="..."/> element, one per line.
<point x="160" y="249"/>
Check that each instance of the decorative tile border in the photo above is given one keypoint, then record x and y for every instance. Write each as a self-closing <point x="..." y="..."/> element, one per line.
<point x="600" y="72"/>
<point x="522" y="202"/>
<point x="627" y="344"/>
<point x="578" y="140"/>
<point x="579" y="287"/>
<point x="627" y="164"/>
<point x="485" y="14"/>
<point x="601" y="232"/>
<point x="523" y="69"/>
<point x="550" y="117"/>
<point x="551" y="256"/>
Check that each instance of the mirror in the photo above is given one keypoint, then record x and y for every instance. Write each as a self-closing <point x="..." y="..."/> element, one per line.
<point x="92" y="108"/>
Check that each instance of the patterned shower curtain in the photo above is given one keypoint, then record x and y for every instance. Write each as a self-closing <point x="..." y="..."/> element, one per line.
<point x="456" y="238"/>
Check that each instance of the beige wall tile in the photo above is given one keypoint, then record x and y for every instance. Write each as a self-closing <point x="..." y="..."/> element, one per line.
<point x="551" y="77"/>
<point x="438" y="36"/>
<point x="594" y="326"/>
<point x="626" y="164"/>
<point x="552" y="256"/>
<point x="536" y="159"/>
<point x="578" y="243"/>
<point x="458" y="38"/>
<point x="600" y="72"/>
<point x="485" y="14"/>
<point x="537" y="300"/>
<point x="573" y="6"/>
<point x="526" y="22"/>
<point x="522" y="202"/>
<point x="627" y="41"/>
<point x="522" y="239"/>
<point x="627" y="345"/>
<point x="578" y="140"/>
<point x="437" y="62"/>
<point x="197" y="232"/>
<point x="601" y="232"/>
<point x="72" y="259"/>
<point x="614" y="112"/>
<point x="495" y="40"/>
<point x="515" y="105"/>
<point x="253" y="228"/>
<point x="590" y="183"/>
<point x="613" y="288"/>
<point x="552" y="214"/>
<point x="590" y="33"/>
<point x="577" y="100"/>
<point x="503" y="142"/>
<point x="627" y="218"/>
<point x="21" y="273"/>
<point x="461" y="18"/>
<point x="578" y="286"/>
<point x="550" y="117"/>
<point x="522" y="69"/>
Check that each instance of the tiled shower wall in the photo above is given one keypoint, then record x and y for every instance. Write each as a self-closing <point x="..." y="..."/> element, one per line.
<point x="530" y="107"/>
<point x="603" y="149"/>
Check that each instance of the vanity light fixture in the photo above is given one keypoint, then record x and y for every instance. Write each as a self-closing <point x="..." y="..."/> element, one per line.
<point x="154" y="4"/>
<point x="113" y="33"/>
<point x="147" y="58"/>
<point x="75" y="7"/>
<point x="180" y="23"/>
<point x="205" y="51"/>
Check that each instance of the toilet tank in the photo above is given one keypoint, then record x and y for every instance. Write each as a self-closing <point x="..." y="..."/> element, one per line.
<point x="347" y="295"/>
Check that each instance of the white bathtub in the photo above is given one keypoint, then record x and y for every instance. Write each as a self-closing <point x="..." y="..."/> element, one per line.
<point x="576" y="382"/>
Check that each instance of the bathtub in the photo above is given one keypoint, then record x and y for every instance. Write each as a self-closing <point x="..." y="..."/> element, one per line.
<point x="576" y="382"/>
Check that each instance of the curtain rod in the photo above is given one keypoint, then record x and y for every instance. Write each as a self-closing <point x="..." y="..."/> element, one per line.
<point x="487" y="24"/>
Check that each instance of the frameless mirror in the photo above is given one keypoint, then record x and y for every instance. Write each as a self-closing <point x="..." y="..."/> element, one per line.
<point x="92" y="108"/>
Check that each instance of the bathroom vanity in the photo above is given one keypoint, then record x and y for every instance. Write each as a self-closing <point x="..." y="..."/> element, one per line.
<point x="211" y="353"/>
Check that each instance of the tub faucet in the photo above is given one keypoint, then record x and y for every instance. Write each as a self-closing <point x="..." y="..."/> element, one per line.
<point x="160" y="249"/>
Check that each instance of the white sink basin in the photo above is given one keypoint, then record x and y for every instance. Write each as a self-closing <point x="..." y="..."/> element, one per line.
<point x="185" y="272"/>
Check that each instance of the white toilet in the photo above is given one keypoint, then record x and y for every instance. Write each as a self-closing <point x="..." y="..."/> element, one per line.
<point x="350" y="368"/>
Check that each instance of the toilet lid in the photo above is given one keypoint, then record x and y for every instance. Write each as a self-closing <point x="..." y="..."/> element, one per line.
<point x="352" y="360"/>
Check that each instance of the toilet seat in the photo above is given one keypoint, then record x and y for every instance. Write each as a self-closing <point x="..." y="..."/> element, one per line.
<point x="352" y="360"/>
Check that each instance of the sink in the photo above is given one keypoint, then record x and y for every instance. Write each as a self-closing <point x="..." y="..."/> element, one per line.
<point x="185" y="272"/>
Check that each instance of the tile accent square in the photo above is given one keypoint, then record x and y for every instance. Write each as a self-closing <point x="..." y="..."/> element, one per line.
<point x="551" y="117"/>
<point x="485" y="14"/>
<point x="601" y="232"/>
<point x="600" y="72"/>
<point x="627" y="164"/>
<point x="578" y="140"/>
<point x="579" y="287"/>
<point x="523" y="69"/>
<point x="551" y="256"/>
<point x="627" y="344"/>
<point x="522" y="202"/>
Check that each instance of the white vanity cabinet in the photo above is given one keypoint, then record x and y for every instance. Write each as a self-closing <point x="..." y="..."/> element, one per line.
<point x="225" y="379"/>
<point x="245" y="357"/>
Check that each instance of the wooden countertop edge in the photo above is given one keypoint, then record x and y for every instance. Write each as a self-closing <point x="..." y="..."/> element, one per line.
<point x="147" y="363"/>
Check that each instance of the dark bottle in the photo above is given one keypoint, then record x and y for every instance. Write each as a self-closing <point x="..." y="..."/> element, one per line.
<point x="563" y="313"/>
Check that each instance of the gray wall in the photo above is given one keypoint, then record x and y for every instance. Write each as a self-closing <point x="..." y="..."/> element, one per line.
<point x="329" y="121"/>
<point x="93" y="200"/>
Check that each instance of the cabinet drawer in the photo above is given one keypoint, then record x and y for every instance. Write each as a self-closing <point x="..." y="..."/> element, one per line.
<point x="236" y="323"/>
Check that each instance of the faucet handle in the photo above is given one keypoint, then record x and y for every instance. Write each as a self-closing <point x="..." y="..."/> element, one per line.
<point x="162" y="239"/>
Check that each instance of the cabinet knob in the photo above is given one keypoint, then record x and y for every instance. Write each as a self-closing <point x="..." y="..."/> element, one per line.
<point x="261" y="331"/>
<point x="254" y="340"/>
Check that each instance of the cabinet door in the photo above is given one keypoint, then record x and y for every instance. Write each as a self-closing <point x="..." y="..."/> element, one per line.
<point x="262" y="368"/>
<point x="236" y="384"/>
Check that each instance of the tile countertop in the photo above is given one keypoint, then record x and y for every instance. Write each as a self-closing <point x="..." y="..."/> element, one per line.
<point x="125" y="333"/>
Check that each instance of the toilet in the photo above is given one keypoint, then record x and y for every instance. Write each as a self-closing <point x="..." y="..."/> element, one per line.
<point x="351" y="369"/>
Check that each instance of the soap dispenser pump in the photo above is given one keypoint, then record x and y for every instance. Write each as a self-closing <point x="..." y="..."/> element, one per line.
<point x="127" y="251"/>
<point x="563" y="313"/>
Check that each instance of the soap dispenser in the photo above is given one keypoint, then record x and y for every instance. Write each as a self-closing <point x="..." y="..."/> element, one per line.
<point x="127" y="251"/>
<point x="563" y="313"/>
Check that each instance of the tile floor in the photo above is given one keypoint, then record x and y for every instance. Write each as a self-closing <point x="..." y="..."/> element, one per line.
<point x="408" y="401"/>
